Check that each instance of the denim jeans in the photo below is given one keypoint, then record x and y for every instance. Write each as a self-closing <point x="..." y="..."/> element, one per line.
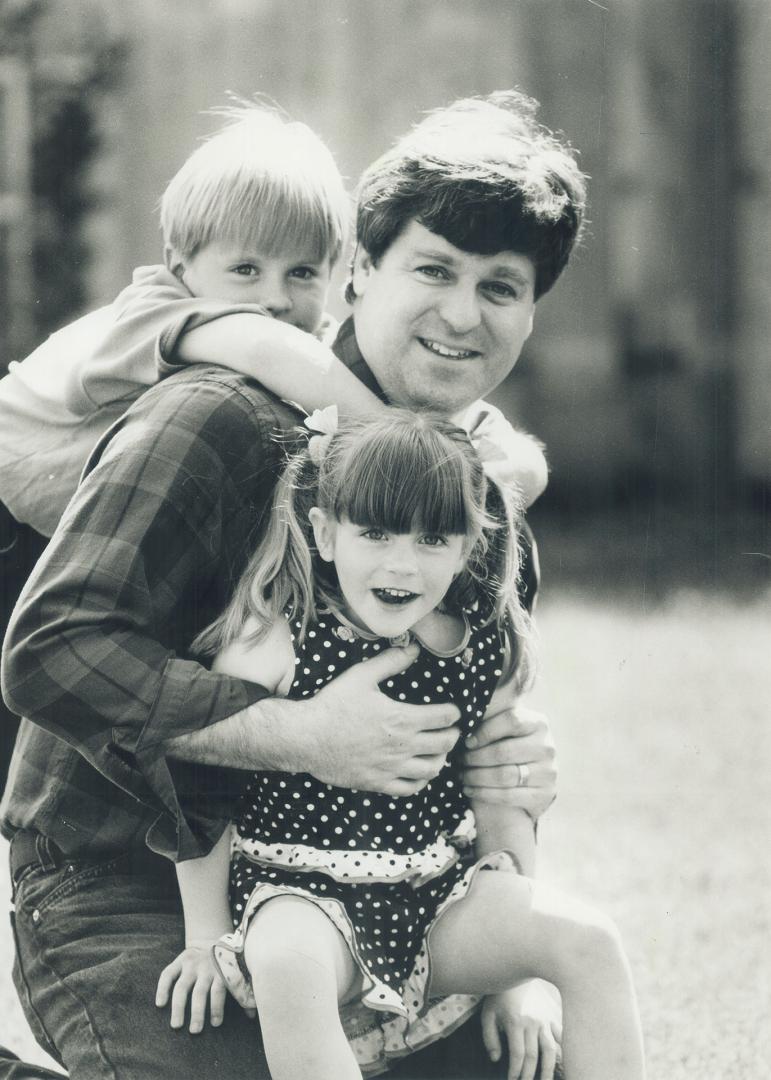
<point x="92" y="938"/>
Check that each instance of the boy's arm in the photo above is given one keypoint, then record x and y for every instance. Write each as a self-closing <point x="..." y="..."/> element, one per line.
<point x="510" y="456"/>
<point x="292" y="364"/>
<point x="155" y="325"/>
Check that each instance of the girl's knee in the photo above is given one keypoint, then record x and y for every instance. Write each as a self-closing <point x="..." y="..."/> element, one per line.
<point x="589" y="946"/>
<point x="290" y="944"/>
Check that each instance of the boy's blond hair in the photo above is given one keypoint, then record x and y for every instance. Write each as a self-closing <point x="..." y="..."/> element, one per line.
<point x="262" y="181"/>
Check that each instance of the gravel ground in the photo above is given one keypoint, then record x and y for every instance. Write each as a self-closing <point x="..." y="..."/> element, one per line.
<point x="664" y="819"/>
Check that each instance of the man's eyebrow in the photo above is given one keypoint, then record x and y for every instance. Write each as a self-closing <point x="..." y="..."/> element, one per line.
<point x="501" y="270"/>
<point x="514" y="274"/>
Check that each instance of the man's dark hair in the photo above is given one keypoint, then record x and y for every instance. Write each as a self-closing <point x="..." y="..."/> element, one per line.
<point x="484" y="174"/>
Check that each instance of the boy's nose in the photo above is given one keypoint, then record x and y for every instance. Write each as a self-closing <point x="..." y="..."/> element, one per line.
<point x="274" y="296"/>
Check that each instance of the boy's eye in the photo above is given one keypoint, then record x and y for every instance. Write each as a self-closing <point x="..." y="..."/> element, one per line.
<point x="304" y="273"/>
<point x="246" y="270"/>
<point x="374" y="534"/>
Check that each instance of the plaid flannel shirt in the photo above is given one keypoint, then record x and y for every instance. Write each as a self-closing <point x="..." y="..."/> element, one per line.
<point x="146" y="555"/>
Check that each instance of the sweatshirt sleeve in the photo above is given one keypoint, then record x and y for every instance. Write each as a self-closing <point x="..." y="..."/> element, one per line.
<point x="134" y="344"/>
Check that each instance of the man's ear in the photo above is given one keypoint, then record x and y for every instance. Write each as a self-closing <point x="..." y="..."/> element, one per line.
<point x="323" y="533"/>
<point x="174" y="261"/>
<point x="361" y="269"/>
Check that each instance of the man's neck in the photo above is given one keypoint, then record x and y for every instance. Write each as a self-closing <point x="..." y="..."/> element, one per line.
<point x="346" y="348"/>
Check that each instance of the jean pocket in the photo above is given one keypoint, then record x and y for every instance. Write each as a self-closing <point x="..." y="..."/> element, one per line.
<point x="37" y="890"/>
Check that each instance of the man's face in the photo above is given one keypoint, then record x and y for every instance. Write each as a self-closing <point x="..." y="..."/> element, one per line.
<point x="292" y="285"/>
<point x="438" y="326"/>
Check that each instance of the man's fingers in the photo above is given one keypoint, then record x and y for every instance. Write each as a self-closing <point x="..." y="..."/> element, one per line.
<point x="509" y="720"/>
<point x="432" y="717"/>
<point x="388" y="663"/>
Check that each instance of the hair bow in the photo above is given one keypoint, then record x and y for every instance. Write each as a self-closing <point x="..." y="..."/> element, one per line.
<point x="324" y="422"/>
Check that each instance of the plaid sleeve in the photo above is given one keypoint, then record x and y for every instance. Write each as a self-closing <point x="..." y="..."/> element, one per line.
<point x="145" y="556"/>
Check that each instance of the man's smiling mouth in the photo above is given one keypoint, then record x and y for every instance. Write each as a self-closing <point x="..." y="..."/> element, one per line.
<point x="445" y="351"/>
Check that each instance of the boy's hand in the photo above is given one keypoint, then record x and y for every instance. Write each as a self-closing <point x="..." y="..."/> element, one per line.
<point x="193" y="975"/>
<point x="529" y="1017"/>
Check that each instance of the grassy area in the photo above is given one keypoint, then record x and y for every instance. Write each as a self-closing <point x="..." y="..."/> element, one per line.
<point x="661" y="717"/>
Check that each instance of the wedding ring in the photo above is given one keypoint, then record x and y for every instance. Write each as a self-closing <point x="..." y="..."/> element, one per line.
<point x="524" y="775"/>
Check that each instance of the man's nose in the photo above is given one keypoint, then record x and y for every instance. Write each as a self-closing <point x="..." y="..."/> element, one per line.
<point x="460" y="309"/>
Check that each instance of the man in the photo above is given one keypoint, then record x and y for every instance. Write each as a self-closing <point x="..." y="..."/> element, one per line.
<point x="130" y="750"/>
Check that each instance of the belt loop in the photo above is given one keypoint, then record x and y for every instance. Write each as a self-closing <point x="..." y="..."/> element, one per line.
<point x="45" y="852"/>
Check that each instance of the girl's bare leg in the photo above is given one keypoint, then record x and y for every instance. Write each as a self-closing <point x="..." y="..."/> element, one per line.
<point x="301" y="970"/>
<point x="510" y="928"/>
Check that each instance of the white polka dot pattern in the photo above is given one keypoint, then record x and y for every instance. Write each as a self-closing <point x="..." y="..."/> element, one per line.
<point x="381" y="867"/>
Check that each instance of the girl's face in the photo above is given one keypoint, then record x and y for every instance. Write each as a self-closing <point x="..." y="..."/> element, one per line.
<point x="389" y="581"/>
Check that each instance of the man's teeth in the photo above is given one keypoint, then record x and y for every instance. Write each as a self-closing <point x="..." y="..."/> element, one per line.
<point x="443" y="350"/>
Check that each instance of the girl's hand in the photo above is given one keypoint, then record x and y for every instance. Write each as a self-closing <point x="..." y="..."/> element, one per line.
<point x="529" y="1017"/>
<point x="193" y="975"/>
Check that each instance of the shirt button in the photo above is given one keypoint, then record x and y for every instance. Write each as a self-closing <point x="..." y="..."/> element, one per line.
<point x="36" y="916"/>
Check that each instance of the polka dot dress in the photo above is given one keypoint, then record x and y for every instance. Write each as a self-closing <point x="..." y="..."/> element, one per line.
<point x="381" y="867"/>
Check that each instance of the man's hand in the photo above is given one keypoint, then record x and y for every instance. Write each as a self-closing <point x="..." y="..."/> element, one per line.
<point x="529" y="1017"/>
<point x="353" y="736"/>
<point x="509" y="736"/>
<point x="193" y="974"/>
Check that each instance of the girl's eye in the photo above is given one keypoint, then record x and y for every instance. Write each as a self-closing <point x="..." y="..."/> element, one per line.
<point x="434" y="540"/>
<point x="304" y="273"/>
<point x="374" y="534"/>
<point x="246" y="270"/>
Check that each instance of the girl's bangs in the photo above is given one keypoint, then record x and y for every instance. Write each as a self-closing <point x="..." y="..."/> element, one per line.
<point x="399" y="490"/>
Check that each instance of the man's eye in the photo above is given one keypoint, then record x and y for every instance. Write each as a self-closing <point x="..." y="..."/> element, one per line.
<point x="501" y="290"/>
<point x="436" y="273"/>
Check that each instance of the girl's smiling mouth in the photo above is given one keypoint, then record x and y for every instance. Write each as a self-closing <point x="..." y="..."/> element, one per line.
<point x="394" y="596"/>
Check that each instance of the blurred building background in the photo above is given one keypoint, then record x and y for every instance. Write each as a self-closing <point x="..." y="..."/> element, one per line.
<point x="648" y="375"/>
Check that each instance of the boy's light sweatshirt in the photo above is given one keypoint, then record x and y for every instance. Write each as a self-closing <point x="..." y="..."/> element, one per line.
<point x="57" y="402"/>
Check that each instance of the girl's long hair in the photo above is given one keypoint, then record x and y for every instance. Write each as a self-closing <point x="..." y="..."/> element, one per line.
<point x="397" y="471"/>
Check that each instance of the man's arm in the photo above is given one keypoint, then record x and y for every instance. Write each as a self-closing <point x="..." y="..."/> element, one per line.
<point x="144" y="558"/>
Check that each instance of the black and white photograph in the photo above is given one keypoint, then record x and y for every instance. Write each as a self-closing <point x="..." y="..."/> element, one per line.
<point x="385" y="569"/>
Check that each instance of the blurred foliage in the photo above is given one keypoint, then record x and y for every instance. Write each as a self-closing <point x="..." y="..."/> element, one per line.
<point x="67" y="87"/>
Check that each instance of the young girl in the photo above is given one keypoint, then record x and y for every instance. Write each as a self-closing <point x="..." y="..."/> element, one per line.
<point x="386" y="531"/>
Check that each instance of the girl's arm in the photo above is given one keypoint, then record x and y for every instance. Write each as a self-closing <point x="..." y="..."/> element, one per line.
<point x="203" y="883"/>
<point x="193" y="976"/>
<point x="292" y="364"/>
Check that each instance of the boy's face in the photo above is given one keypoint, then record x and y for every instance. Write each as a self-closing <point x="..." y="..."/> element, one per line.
<point x="441" y="327"/>
<point x="292" y="286"/>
